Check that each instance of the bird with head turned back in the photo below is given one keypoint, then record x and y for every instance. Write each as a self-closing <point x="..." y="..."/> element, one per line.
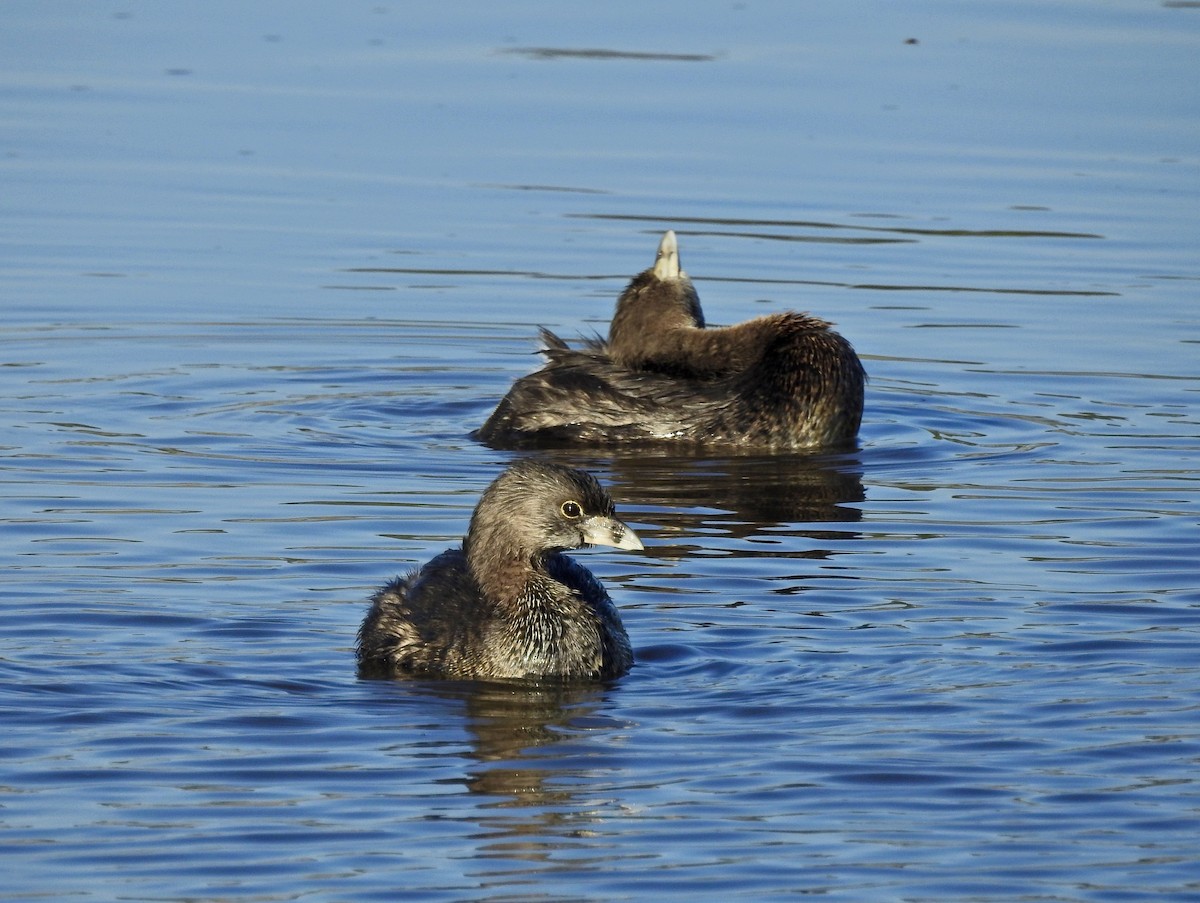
<point x="780" y="381"/>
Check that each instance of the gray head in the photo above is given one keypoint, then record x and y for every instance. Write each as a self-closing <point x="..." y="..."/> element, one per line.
<point x="656" y="300"/>
<point x="671" y="286"/>
<point x="535" y="507"/>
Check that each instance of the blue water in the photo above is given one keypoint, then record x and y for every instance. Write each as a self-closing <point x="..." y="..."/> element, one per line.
<point x="263" y="267"/>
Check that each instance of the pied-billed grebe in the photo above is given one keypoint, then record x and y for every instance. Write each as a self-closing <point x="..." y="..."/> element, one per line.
<point x="507" y="604"/>
<point x="784" y="380"/>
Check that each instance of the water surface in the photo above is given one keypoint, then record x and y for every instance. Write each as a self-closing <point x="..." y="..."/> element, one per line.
<point x="264" y="269"/>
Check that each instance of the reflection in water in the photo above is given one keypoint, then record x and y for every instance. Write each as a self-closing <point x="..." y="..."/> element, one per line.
<point x="740" y="493"/>
<point x="518" y="734"/>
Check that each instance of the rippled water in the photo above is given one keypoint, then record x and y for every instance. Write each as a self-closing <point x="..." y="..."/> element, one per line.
<point x="264" y="268"/>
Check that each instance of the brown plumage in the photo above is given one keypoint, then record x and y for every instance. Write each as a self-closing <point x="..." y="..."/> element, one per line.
<point x="507" y="604"/>
<point x="784" y="380"/>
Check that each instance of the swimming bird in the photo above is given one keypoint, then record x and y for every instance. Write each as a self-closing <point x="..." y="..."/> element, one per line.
<point x="780" y="381"/>
<point x="507" y="603"/>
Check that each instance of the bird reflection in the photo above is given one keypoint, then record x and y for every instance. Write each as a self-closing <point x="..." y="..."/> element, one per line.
<point x="515" y="726"/>
<point x="739" y="494"/>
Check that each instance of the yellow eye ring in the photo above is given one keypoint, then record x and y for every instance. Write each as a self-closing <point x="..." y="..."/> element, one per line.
<point x="571" y="510"/>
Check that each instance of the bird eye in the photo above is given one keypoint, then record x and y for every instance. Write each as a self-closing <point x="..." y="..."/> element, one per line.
<point x="571" y="510"/>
